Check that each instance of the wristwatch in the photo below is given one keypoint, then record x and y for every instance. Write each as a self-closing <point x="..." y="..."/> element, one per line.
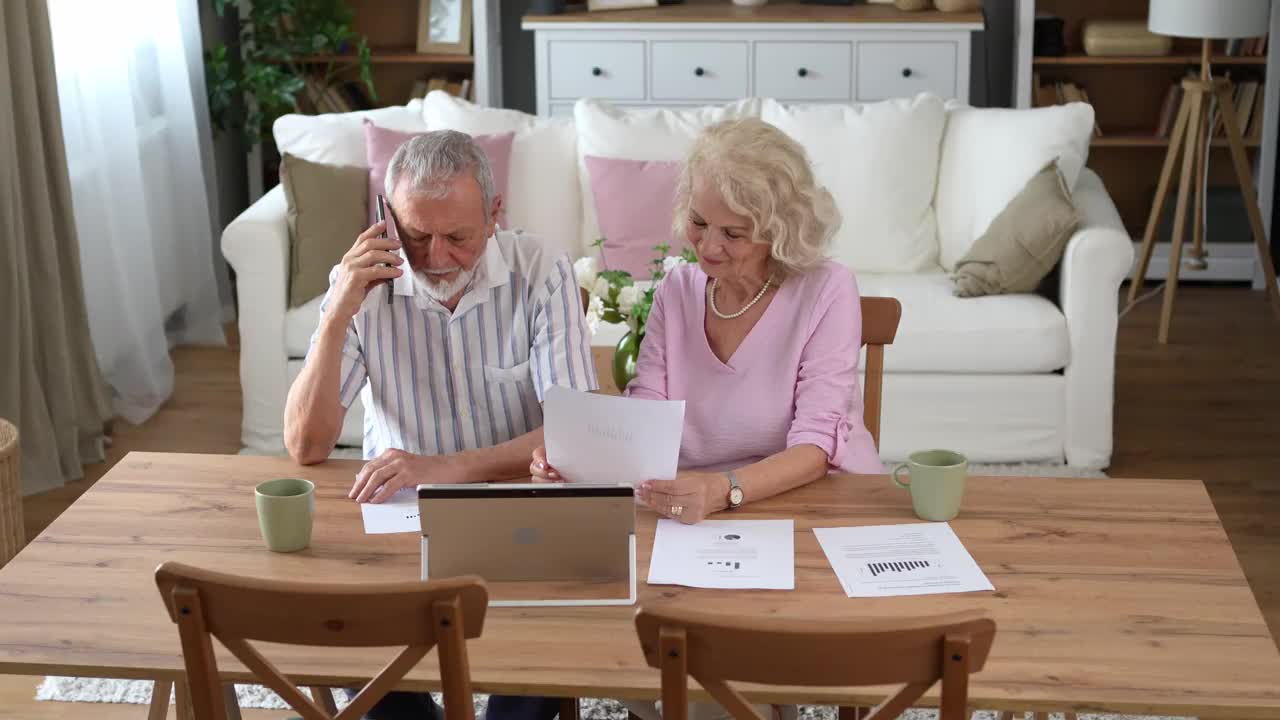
<point x="735" y="491"/>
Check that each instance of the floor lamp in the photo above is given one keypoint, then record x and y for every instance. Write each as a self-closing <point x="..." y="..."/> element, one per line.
<point x="1206" y="20"/>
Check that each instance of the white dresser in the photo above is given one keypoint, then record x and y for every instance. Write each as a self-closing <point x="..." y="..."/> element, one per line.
<point x="710" y="53"/>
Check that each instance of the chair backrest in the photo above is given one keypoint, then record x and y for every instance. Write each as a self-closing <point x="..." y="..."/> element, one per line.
<point x="419" y="615"/>
<point x="880" y="316"/>
<point x="716" y="649"/>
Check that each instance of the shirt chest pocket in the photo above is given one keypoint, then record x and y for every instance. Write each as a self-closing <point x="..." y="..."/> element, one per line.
<point x="518" y="373"/>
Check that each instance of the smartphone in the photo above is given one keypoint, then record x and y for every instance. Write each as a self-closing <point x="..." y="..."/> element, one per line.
<point x="380" y="215"/>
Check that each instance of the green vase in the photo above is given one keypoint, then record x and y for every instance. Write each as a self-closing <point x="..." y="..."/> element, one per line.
<point x="624" y="360"/>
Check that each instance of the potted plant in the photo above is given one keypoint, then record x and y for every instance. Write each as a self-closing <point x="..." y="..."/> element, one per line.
<point x="276" y="36"/>
<point x="614" y="297"/>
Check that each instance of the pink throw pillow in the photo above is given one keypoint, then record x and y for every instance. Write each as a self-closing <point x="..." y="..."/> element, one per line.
<point x="635" y="205"/>
<point x="380" y="144"/>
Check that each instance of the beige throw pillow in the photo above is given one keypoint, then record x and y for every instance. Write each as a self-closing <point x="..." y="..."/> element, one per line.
<point x="1025" y="241"/>
<point x="326" y="213"/>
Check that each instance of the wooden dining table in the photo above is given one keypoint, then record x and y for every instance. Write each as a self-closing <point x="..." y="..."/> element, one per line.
<point x="1110" y="594"/>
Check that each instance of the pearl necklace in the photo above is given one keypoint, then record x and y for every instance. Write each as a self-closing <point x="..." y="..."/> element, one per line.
<point x="715" y="284"/>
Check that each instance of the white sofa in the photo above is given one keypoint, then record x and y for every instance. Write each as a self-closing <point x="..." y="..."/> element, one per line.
<point x="1002" y="379"/>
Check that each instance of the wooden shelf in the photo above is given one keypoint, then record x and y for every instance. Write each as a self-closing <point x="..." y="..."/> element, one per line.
<point x="722" y="11"/>
<point x="388" y="56"/>
<point x="1139" y="139"/>
<point x="1146" y="60"/>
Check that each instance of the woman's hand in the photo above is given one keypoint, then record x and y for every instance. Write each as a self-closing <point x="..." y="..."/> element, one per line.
<point x="690" y="498"/>
<point x="540" y="469"/>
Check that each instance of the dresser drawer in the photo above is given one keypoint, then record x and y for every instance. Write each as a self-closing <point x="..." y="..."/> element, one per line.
<point x="608" y="70"/>
<point x="698" y="70"/>
<point x="804" y="71"/>
<point x="906" y="68"/>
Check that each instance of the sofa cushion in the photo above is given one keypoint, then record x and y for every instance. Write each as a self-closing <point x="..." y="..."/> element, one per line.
<point x="326" y="214"/>
<point x="542" y="180"/>
<point x="381" y="144"/>
<point x="649" y="134"/>
<point x="1024" y="243"/>
<point x="338" y="138"/>
<point x="635" y="203"/>
<point x="943" y="333"/>
<point x="988" y="155"/>
<point x="880" y="162"/>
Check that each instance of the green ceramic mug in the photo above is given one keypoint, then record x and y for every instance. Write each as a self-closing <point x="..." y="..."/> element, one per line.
<point x="286" y="507"/>
<point x="937" y="482"/>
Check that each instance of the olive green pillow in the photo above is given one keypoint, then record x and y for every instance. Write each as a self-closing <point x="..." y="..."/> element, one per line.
<point x="326" y="214"/>
<point x="1025" y="241"/>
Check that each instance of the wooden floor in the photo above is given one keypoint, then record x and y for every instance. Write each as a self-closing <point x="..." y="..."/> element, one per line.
<point x="1205" y="406"/>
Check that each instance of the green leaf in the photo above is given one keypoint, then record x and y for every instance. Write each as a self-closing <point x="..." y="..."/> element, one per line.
<point x="598" y="243"/>
<point x="617" y="278"/>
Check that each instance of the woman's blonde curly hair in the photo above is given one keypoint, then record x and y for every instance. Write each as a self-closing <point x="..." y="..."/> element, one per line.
<point x="763" y="174"/>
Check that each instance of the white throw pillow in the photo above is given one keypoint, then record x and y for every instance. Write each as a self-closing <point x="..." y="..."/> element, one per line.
<point x="988" y="155"/>
<point x="338" y="138"/>
<point x="649" y="134"/>
<point x="542" y="184"/>
<point x="880" y="162"/>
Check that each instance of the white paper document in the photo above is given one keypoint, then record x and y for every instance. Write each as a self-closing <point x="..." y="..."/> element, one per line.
<point x="396" y="514"/>
<point x="606" y="439"/>
<point x="889" y="560"/>
<point x="726" y="554"/>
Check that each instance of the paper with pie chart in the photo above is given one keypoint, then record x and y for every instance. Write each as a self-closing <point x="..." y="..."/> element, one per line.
<point x="725" y="554"/>
<point x="890" y="560"/>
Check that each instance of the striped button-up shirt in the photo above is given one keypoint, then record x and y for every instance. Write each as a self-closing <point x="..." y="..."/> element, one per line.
<point x="436" y="382"/>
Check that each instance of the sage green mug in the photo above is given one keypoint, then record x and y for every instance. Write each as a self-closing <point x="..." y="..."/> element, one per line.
<point x="937" y="482"/>
<point x="286" y="507"/>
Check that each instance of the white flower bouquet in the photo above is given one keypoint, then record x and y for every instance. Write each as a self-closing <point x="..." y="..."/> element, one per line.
<point x="613" y="295"/>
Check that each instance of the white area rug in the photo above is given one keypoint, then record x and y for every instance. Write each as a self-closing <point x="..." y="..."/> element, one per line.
<point x="70" y="689"/>
<point x="256" y="696"/>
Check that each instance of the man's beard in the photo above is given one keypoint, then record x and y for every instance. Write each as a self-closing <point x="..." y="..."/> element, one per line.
<point x="443" y="291"/>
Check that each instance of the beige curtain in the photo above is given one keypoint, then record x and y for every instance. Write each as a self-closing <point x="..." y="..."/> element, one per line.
<point x="50" y="386"/>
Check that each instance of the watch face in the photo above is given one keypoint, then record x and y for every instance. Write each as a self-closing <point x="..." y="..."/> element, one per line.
<point x="735" y="496"/>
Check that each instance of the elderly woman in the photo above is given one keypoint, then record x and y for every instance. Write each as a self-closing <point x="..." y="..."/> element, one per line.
<point x="760" y="338"/>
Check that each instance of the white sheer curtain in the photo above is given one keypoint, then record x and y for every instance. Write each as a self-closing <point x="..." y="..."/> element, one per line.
<point x="135" y="123"/>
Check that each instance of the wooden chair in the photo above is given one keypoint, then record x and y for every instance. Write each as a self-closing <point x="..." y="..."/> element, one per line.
<point x="203" y="603"/>
<point x="880" y="316"/>
<point x="12" y="535"/>
<point x="717" y="649"/>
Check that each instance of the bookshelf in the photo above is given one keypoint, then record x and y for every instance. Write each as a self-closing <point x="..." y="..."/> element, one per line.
<point x="1129" y="96"/>
<point x="399" y="71"/>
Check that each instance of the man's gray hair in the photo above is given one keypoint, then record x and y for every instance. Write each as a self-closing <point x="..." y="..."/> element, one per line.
<point x="429" y="162"/>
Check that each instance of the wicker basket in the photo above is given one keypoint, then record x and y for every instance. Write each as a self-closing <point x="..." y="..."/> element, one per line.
<point x="958" y="5"/>
<point x="12" y="536"/>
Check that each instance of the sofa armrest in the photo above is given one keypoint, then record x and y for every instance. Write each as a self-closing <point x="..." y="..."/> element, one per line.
<point x="256" y="244"/>
<point x="1096" y="261"/>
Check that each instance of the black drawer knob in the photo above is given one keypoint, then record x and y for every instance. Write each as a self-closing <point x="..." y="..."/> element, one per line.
<point x="803" y="72"/>
<point x="699" y="72"/>
<point x="906" y="72"/>
<point x="597" y="71"/>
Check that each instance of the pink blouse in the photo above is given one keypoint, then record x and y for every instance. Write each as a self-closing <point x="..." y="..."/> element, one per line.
<point x="793" y="380"/>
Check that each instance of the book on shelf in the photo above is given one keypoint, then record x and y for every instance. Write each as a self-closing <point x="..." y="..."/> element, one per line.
<point x="458" y="88"/>
<point x="1169" y="110"/>
<point x="1061" y="93"/>
<point x="1254" y="131"/>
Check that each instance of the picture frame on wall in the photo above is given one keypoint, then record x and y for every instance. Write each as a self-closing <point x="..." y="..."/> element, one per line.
<point x="444" y="26"/>
<point x="593" y="5"/>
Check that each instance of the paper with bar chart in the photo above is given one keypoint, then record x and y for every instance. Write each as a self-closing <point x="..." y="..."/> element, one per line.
<point x="889" y="560"/>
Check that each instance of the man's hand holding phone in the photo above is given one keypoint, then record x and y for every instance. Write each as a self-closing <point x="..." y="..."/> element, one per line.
<point x="371" y="260"/>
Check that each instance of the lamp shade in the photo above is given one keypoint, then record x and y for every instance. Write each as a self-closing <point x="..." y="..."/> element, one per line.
<point x="1210" y="18"/>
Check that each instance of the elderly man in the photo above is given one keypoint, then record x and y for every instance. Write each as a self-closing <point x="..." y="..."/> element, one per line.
<point x="453" y="348"/>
